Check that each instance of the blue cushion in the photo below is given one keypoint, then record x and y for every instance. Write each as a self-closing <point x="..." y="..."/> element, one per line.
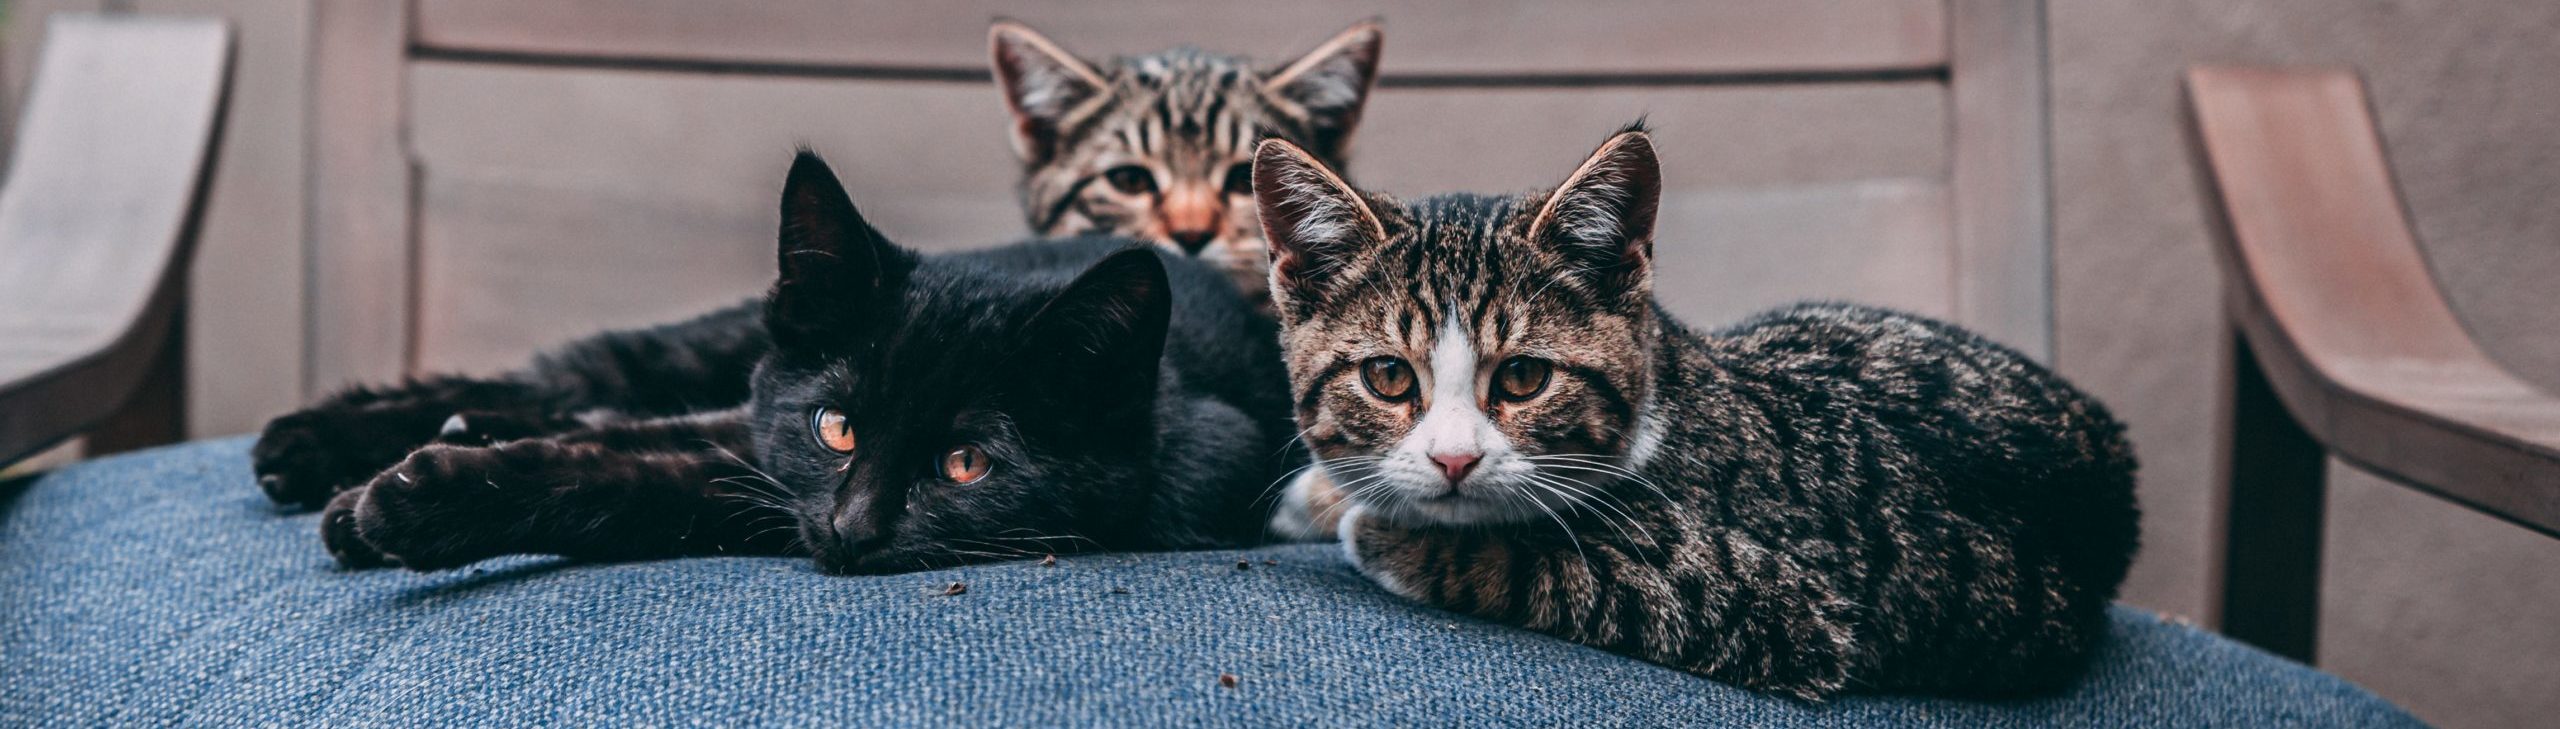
<point x="161" y="588"/>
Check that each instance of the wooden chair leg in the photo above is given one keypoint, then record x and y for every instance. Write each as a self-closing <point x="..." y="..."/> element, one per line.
<point x="2274" y="475"/>
<point x="157" y="413"/>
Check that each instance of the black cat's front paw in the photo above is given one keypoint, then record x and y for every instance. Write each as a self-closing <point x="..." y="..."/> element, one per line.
<point x="440" y="508"/>
<point x="304" y="458"/>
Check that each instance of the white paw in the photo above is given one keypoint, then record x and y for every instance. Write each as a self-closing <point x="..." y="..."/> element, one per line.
<point x="454" y="426"/>
<point x="1348" y="530"/>
<point x="1295" y="519"/>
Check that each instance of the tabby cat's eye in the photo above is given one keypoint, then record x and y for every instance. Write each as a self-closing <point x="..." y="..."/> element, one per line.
<point x="1388" y="378"/>
<point x="832" y="429"/>
<point x="1521" y="378"/>
<point x="1131" y="179"/>
<point x="965" y="464"/>
<point x="1240" y="179"/>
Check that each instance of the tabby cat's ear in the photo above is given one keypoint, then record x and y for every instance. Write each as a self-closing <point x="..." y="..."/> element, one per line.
<point x="1043" y="84"/>
<point x="829" y="258"/>
<point x="1101" y="340"/>
<point x="1327" y="87"/>
<point x="1315" y="222"/>
<point x="1602" y="217"/>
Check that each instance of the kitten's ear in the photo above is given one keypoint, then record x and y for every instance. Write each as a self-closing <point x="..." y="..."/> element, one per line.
<point x="1315" y="222"/>
<point x="1602" y="217"/>
<point x="1327" y="87"/>
<point x="1043" y="84"/>
<point x="828" y="258"/>
<point x="1101" y="340"/>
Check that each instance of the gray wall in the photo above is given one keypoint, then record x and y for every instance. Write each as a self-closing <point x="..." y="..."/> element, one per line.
<point x="2445" y="611"/>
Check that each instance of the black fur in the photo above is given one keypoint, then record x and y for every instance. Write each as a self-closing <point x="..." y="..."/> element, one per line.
<point x="1129" y="398"/>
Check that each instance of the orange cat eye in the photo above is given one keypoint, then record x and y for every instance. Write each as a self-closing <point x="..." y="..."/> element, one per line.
<point x="965" y="464"/>
<point x="832" y="429"/>
<point x="1388" y="377"/>
<point x="1521" y="378"/>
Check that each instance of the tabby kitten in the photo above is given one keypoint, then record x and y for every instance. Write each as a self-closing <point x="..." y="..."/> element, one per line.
<point x="906" y="412"/>
<point x="1160" y="147"/>
<point x="1822" y="498"/>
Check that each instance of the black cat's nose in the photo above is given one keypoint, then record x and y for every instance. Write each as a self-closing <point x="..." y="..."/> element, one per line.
<point x="1194" y="240"/>
<point x="859" y="526"/>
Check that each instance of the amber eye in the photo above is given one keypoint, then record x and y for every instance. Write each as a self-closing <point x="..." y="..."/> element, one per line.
<point x="1389" y="378"/>
<point x="1521" y="378"/>
<point x="1131" y="179"/>
<point x="832" y="429"/>
<point x="1240" y="179"/>
<point x="965" y="464"/>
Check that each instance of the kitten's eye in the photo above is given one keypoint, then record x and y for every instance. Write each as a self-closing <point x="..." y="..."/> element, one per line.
<point x="832" y="429"/>
<point x="1131" y="179"/>
<point x="1521" y="378"/>
<point x="965" y="464"/>
<point x="1240" y="179"/>
<point x="1389" y="378"/>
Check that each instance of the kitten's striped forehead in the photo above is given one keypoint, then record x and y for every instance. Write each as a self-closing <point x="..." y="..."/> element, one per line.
<point x="1184" y="101"/>
<point x="1458" y="255"/>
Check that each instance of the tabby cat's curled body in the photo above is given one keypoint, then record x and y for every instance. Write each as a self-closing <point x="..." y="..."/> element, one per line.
<point x="1824" y="498"/>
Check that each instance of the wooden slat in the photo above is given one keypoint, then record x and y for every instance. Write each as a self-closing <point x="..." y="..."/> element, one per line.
<point x="359" y="196"/>
<point x="2337" y="305"/>
<point x="2003" y="200"/>
<point x="1510" y="38"/>
<point x="98" y="214"/>
<point x="528" y="239"/>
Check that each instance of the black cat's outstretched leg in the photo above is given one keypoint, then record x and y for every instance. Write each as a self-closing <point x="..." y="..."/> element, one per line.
<point x="306" y="457"/>
<point x="642" y="490"/>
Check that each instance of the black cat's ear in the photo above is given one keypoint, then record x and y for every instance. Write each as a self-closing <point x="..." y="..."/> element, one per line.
<point x="1326" y="88"/>
<point x="1102" y="339"/>
<point x="1602" y="217"/>
<point x="1043" y="85"/>
<point x="828" y="258"/>
<point x="1314" y="221"/>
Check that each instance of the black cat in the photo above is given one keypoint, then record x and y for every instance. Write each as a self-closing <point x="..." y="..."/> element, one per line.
<point x="880" y="410"/>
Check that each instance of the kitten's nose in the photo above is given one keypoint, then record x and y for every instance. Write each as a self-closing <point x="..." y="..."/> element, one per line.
<point x="1455" y="465"/>
<point x="858" y="530"/>
<point x="1192" y="241"/>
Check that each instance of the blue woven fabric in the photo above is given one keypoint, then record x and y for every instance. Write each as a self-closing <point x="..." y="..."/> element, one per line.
<point x="161" y="588"/>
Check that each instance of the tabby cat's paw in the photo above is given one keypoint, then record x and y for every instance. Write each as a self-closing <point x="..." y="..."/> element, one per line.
<point x="429" y="512"/>
<point x="1310" y="508"/>
<point x="1372" y="545"/>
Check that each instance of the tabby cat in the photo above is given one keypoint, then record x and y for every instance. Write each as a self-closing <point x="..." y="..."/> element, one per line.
<point x="1821" y="498"/>
<point x="1151" y="147"/>
<point x="1161" y="146"/>
<point x="906" y="412"/>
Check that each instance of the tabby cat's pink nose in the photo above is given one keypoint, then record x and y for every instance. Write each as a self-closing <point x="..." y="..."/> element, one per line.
<point x="1455" y="465"/>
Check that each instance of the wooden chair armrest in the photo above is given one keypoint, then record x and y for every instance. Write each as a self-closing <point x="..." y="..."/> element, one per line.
<point x="98" y="215"/>
<point x="2343" y="346"/>
<point x="2335" y="301"/>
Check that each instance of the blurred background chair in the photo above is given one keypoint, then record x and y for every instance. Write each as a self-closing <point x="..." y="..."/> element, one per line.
<point x="2345" y="345"/>
<point x="98" y="218"/>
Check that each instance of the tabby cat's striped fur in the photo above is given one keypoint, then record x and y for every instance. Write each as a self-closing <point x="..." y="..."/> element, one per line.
<point x="1823" y="498"/>
<point x="1160" y="147"/>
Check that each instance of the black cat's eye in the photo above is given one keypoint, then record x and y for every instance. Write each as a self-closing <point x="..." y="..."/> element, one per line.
<point x="965" y="464"/>
<point x="833" y="431"/>
<point x="1130" y="179"/>
<point x="1389" y="378"/>
<point x="1240" y="179"/>
<point x="1520" y="378"/>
